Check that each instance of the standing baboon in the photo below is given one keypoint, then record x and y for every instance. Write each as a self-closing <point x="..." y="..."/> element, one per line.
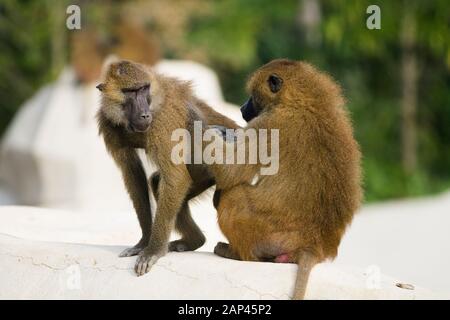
<point x="141" y="109"/>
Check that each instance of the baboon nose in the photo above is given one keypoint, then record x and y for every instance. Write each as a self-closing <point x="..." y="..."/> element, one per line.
<point x="145" y="116"/>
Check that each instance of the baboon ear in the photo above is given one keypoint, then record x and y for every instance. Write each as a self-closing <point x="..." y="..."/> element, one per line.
<point x="101" y="86"/>
<point x="111" y="59"/>
<point x="275" y="83"/>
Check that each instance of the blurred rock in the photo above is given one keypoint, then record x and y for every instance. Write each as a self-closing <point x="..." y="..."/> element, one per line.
<point x="6" y="197"/>
<point x="40" y="144"/>
<point x="51" y="154"/>
<point x="46" y="270"/>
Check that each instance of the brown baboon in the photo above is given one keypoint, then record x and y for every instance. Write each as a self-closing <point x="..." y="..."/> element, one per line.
<point x="299" y="214"/>
<point x="141" y="109"/>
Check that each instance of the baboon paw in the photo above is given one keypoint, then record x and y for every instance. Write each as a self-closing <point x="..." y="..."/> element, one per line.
<point x="129" y="252"/>
<point x="144" y="263"/>
<point x="178" y="246"/>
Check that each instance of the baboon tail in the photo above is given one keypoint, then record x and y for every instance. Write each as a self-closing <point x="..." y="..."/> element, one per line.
<point x="306" y="261"/>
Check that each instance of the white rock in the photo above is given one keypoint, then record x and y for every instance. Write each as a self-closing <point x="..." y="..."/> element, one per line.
<point x="45" y="154"/>
<point x="45" y="270"/>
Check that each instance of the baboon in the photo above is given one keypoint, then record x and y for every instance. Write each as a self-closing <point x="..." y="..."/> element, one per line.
<point x="141" y="109"/>
<point x="300" y="214"/>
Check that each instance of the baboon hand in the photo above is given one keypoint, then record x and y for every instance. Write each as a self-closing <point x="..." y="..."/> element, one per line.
<point x="223" y="133"/>
<point x="145" y="261"/>
<point x="220" y="130"/>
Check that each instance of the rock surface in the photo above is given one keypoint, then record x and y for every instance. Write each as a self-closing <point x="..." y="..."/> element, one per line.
<point x="48" y="270"/>
<point x="44" y="253"/>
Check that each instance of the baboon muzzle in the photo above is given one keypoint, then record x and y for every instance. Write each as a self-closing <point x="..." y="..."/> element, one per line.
<point x="137" y="108"/>
<point x="248" y="110"/>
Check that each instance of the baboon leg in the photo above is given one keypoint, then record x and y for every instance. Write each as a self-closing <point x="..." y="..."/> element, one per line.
<point x="172" y="192"/>
<point x="154" y="183"/>
<point x="195" y="190"/>
<point x="216" y="198"/>
<point x="224" y="250"/>
<point x="136" y="184"/>
<point x="192" y="237"/>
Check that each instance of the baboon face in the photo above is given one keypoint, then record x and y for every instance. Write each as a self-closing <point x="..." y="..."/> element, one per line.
<point x="266" y="87"/>
<point x="126" y="94"/>
<point x="253" y="107"/>
<point x="137" y="107"/>
<point x="285" y="83"/>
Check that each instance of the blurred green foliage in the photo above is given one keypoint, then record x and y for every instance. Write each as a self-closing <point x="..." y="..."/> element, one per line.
<point x="24" y="53"/>
<point x="236" y="37"/>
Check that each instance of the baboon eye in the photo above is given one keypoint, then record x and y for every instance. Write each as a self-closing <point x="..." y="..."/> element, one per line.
<point x="136" y="88"/>
<point x="275" y="83"/>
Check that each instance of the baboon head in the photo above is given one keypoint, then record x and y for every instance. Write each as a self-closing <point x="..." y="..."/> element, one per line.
<point x="284" y="83"/>
<point x="126" y="95"/>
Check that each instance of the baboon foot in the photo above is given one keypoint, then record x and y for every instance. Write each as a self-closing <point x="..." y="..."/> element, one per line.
<point x="184" y="245"/>
<point x="129" y="252"/>
<point x="145" y="261"/>
<point x="223" y="249"/>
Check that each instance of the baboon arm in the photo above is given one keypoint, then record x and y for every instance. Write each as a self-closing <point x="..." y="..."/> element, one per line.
<point x="136" y="184"/>
<point x="237" y="167"/>
<point x="192" y="236"/>
<point x="172" y="193"/>
<point x="230" y="175"/>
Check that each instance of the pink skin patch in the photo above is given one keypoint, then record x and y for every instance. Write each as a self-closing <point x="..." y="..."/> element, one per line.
<point x="282" y="258"/>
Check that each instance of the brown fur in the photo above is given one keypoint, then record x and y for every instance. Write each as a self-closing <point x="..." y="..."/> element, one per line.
<point x="304" y="209"/>
<point x="173" y="106"/>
